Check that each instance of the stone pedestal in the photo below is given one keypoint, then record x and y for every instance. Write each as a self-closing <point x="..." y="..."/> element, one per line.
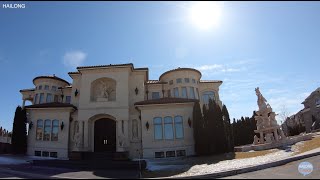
<point x="102" y="99"/>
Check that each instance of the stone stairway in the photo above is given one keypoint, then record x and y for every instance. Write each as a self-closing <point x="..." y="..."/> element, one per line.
<point x="94" y="160"/>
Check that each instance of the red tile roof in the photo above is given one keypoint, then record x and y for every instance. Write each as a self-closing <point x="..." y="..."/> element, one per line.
<point x="210" y="81"/>
<point x="51" y="105"/>
<point x="165" y="101"/>
<point x="155" y="82"/>
<point x="31" y="89"/>
<point x="110" y="65"/>
<point x="51" y="77"/>
<point x="180" y="69"/>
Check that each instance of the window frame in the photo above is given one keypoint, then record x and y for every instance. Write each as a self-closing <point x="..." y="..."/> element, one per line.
<point x="179" y="80"/>
<point x="177" y="124"/>
<point x="39" y="138"/>
<point x="176" y="92"/>
<point x="157" y="124"/>
<point x="68" y="97"/>
<point x="187" y="80"/>
<point x="41" y="98"/>
<point x="153" y="93"/>
<point x="182" y="92"/>
<point x="48" y="126"/>
<point x="54" y="127"/>
<point x="192" y="93"/>
<point x="50" y="98"/>
<point x="170" y="126"/>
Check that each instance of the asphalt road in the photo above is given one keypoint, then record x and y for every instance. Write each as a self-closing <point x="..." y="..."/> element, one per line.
<point x="27" y="171"/>
<point x="288" y="171"/>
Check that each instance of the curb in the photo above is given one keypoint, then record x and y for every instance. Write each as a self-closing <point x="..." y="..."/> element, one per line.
<point x="251" y="169"/>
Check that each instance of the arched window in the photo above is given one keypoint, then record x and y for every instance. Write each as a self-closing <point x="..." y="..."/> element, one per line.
<point x="47" y="130"/>
<point x="178" y="125"/>
<point x="207" y="95"/>
<point x="55" y="130"/>
<point x="39" y="129"/>
<point x="157" y="122"/>
<point x="168" y="128"/>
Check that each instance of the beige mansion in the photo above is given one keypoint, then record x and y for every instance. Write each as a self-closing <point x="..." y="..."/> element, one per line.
<point x="116" y="108"/>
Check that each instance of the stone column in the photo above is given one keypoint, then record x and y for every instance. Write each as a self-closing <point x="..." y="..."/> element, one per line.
<point x="261" y="138"/>
<point x="276" y="136"/>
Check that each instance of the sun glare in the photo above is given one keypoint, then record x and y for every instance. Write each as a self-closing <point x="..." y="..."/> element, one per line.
<point x="205" y="14"/>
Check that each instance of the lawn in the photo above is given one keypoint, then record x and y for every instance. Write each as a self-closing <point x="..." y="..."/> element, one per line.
<point x="308" y="145"/>
<point x="192" y="161"/>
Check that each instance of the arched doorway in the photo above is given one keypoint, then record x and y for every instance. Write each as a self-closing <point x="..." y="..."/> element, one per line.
<point x="105" y="135"/>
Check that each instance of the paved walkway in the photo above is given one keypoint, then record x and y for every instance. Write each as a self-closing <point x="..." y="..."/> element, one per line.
<point x="12" y="166"/>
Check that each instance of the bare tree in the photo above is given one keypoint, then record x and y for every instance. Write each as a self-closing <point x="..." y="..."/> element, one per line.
<point x="284" y="113"/>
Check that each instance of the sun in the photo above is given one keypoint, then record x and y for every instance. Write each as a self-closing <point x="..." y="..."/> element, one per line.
<point x="205" y="14"/>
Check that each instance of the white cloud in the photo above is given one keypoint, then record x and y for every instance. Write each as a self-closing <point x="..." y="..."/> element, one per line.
<point x="74" y="59"/>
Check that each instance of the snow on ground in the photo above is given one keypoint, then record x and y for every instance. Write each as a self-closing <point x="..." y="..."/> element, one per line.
<point x="235" y="164"/>
<point x="201" y="169"/>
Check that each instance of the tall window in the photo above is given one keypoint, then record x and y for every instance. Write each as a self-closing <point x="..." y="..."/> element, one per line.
<point x="54" y="88"/>
<point x="68" y="99"/>
<point x="184" y="92"/>
<point x="56" y="98"/>
<point x="170" y="82"/>
<point x="178" y="125"/>
<point x="49" y="98"/>
<point x="40" y="87"/>
<point x="168" y="128"/>
<point x="47" y="130"/>
<point x="197" y="93"/>
<point x="35" y="99"/>
<point x="155" y="95"/>
<point x="186" y="80"/>
<point x="39" y="129"/>
<point x="192" y="93"/>
<point x="206" y="96"/>
<point x="157" y="122"/>
<point x="179" y="80"/>
<point x="169" y="93"/>
<point x="46" y="87"/>
<point x="176" y="92"/>
<point x="41" y="98"/>
<point x="55" y="129"/>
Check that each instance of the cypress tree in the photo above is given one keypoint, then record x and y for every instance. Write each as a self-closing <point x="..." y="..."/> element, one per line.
<point x="228" y="128"/>
<point x="198" y="128"/>
<point x="19" y="132"/>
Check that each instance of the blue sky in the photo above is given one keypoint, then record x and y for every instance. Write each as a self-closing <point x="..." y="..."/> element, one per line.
<point x="273" y="45"/>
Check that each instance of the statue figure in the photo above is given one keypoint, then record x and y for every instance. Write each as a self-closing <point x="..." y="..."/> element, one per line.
<point x="272" y="119"/>
<point x="261" y="100"/>
<point x="269" y="138"/>
<point x="76" y="134"/>
<point x="105" y="90"/>
<point x="134" y="129"/>
<point x="260" y="124"/>
<point x="255" y="140"/>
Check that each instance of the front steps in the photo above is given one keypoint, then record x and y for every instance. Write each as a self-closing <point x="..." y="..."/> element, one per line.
<point x="94" y="160"/>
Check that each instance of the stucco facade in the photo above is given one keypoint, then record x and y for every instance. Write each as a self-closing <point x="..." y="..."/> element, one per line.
<point x="116" y="108"/>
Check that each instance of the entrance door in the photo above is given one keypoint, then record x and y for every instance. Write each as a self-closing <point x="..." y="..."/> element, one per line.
<point x="105" y="135"/>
